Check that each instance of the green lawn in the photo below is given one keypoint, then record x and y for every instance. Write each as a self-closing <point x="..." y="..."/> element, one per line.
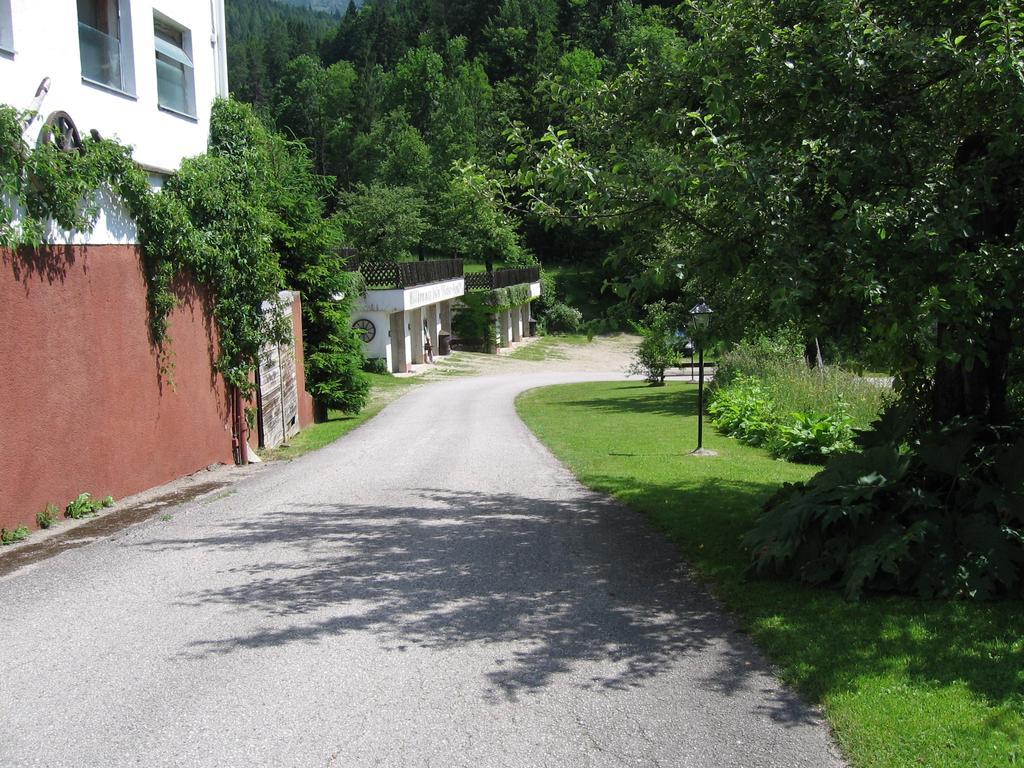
<point x="904" y="683"/>
<point x="383" y="390"/>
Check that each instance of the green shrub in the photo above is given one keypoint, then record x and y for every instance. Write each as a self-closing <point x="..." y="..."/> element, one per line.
<point x="939" y="515"/>
<point x="548" y="290"/>
<point x="777" y="362"/>
<point x="473" y="323"/>
<point x="810" y="437"/>
<point x="656" y="351"/>
<point x="561" y="318"/>
<point x="744" y="411"/>
<point x="10" y="537"/>
<point x="378" y="365"/>
<point x="48" y="516"/>
<point x="765" y="394"/>
<point x="83" y="506"/>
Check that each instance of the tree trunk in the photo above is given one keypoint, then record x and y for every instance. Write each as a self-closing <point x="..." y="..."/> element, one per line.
<point x="319" y="411"/>
<point x="981" y="392"/>
<point x="812" y="354"/>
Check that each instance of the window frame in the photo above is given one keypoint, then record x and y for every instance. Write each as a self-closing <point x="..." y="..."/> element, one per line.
<point x="179" y="54"/>
<point x="125" y="52"/>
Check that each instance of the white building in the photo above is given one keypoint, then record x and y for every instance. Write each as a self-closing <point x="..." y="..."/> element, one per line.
<point x="145" y="72"/>
<point x="407" y="303"/>
<point x="404" y="305"/>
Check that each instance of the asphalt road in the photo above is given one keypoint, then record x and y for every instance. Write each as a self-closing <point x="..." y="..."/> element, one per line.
<point x="432" y="590"/>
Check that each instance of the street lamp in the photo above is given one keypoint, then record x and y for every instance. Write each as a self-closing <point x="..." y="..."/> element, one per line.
<point x="701" y="315"/>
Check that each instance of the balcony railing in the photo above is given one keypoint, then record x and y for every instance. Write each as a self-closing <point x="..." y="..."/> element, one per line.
<point x="404" y="274"/>
<point x="501" y="278"/>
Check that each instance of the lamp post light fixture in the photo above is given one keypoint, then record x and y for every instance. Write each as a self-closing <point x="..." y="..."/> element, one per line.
<point x="701" y="316"/>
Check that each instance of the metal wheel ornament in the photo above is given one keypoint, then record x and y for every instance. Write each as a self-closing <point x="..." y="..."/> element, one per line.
<point x="365" y="328"/>
<point x="61" y="131"/>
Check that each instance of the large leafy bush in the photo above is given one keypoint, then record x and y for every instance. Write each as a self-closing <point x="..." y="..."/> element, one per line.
<point x="811" y="436"/>
<point x="746" y="410"/>
<point x="941" y="514"/>
<point x="777" y="361"/>
<point x="561" y="318"/>
<point x="765" y="394"/>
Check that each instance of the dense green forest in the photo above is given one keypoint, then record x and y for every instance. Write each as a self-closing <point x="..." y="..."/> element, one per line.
<point x="263" y="36"/>
<point x="392" y="100"/>
<point x="330" y="6"/>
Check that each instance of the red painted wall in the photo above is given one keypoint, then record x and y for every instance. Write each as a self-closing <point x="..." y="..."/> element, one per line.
<point x="83" y="406"/>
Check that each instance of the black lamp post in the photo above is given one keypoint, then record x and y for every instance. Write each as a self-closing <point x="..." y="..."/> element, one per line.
<point x="701" y="315"/>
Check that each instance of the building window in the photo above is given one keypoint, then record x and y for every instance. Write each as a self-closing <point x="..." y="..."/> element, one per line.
<point x="100" y="32"/>
<point x="6" y="27"/>
<point x="175" y="80"/>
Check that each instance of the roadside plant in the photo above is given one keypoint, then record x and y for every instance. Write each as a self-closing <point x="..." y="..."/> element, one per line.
<point x="559" y="317"/>
<point x="376" y="365"/>
<point x="813" y="436"/>
<point x="84" y="505"/>
<point x="937" y="515"/>
<point x="473" y="323"/>
<point x="10" y="537"/>
<point x="657" y="351"/>
<point x="48" y="517"/>
<point x="744" y="410"/>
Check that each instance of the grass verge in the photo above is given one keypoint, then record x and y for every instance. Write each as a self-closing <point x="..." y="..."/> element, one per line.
<point x="903" y="682"/>
<point x="384" y="389"/>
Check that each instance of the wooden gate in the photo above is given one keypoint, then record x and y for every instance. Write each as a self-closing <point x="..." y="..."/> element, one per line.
<point x="277" y="390"/>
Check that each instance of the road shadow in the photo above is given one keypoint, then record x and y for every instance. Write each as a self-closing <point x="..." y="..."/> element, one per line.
<point x="557" y="583"/>
<point x="828" y="644"/>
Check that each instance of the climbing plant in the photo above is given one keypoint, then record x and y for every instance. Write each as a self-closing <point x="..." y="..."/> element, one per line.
<point x="212" y="220"/>
<point x="474" y="322"/>
<point x="500" y="299"/>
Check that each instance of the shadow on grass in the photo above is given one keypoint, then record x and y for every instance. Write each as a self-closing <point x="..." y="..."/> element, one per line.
<point x="829" y="645"/>
<point x="557" y="583"/>
<point x="670" y="401"/>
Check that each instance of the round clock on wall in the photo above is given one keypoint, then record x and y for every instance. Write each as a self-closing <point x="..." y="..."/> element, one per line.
<point x="365" y="328"/>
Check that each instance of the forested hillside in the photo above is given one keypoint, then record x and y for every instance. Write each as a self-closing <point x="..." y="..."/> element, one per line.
<point x="263" y="35"/>
<point x="328" y="6"/>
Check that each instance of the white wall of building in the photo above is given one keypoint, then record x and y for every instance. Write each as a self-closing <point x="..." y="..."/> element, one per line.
<point x="379" y="345"/>
<point x="415" y="306"/>
<point x="417" y="296"/>
<point x="45" y="44"/>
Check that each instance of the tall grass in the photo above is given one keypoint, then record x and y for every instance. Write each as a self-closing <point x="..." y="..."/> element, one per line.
<point x="793" y="387"/>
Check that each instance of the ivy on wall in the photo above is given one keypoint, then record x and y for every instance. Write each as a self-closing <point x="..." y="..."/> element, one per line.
<point x="211" y="221"/>
<point x="474" y="322"/>
<point x="500" y="299"/>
